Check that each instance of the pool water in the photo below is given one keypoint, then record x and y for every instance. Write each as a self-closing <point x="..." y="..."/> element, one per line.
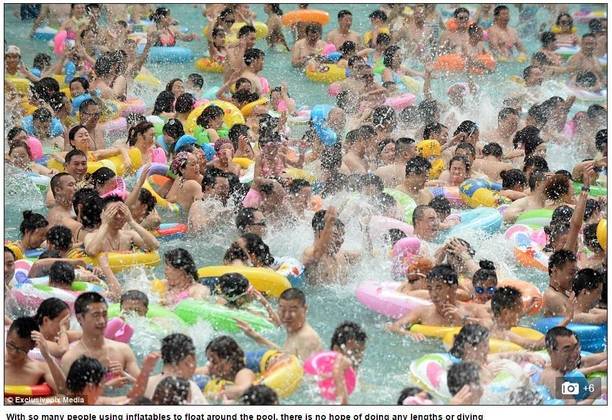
<point x="384" y="371"/>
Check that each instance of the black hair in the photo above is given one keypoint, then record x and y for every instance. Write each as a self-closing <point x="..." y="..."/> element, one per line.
<point x="246" y="30"/>
<point x="601" y="140"/>
<point x="441" y="205"/>
<point x="562" y="15"/>
<point x="418" y="212"/>
<point x="595" y="26"/>
<point x="485" y="272"/>
<point x="100" y="176"/>
<point x="134" y="131"/>
<point x="259" y="395"/>
<point x="232" y="285"/>
<point x="252" y="54"/>
<point x="173" y="128"/>
<point x="394" y="235"/>
<point x="559" y="258"/>
<point x="592" y="206"/>
<point x="556" y="187"/>
<point x="343" y="13"/>
<point x="92" y="206"/>
<point x="163" y="103"/>
<point x="296" y="186"/>
<point x="461" y="159"/>
<point x="181" y="259"/>
<point x="499" y="9"/>
<point x="42" y="114"/>
<point x="73" y="153"/>
<point x="372" y="180"/>
<point x="318" y="221"/>
<point x="85" y="299"/>
<point x="134" y="295"/>
<point x="467" y="147"/>
<point x="86" y="103"/>
<point x="505" y="298"/>
<point x="226" y="348"/>
<point x="347" y="47"/>
<point x="257" y="247"/>
<point x="590" y="237"/>
<point x="294" y="293"/>
<point x="41" y="60"/>
<point x="313" y="28"/>
<point x="83" y="81"/>
<point x="418" y="165"/>
<point x="552" y="334"/>
<point x="382" y="117"/>
<point x="236" y="132"/>
<point x="513" y="177"/>
<point x="208" y="114"/>
<point x="586" y="279"/>
<point x="470" y="334"/>
<point x="60" y="237"/>
<point x="235" y="252"/>
<point x="50" y="308"/>
<point x="388" y="55"/>
<point x="159" y="13"/>
<point x="378" y="14"/>
<point x="537" y="162"/>
<point x="492" y="149"/>
<point x="23" y="327"/>
<point x="522" y="136"/>
<point x="61" y="273"/>
<point x="176" y="347"/>
<point x="244" y="217"/>
<point x="346" y="332"/>
<point x="461" y="374"/>
<point x="595" y="111"/>
<point x="468" y="127"/>
<point x="145" y="197"/>
<point x="84" y="371"/>
<point x="527" y="71"/>
<point x="383" y="39"/>
<point x="196" y="79"/>
<point x="431" y="128"/>
<point x="104" y="65"/>
<point x="32" y="221"/>
<point x="428" y="110"/>
<point x="535" y="179"/>
<point x="443" y="273"/>
<point x="460" y="10"/>
<point x="541" y="59"/>
<point x="184" y="103"/>
<point x="171" y="390"/>
<point x="410" y="391"/>
<point x="10" y="251"/>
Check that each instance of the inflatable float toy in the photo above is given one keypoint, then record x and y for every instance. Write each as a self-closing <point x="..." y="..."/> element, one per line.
<point x="456" y="63"/>
<point x="483" y="219"/>
<point x="42" y="390"/>
<point x="588" y="97"/>
<point x="535" y="219"/>
<point x="584" y="16"/>
<point x="403" y="254"/>
<point x="232" y="115"/>
<point x="480" y="192"/>
<point x="45" y="33"/>
<point x="115" y="163"/>
<point x="292" y="269"/>
<point x="452" y="24"/>
<point x="602" y="233"/>
<point x="30" y="296"/>
<point x="450" y="193"/>
<point x="318" y="119"/>
<point x="497" y="345"/>
<point x="528" y="244"/>
<point x="168" y="55"/>
<point x="21" y="84"/>
<point x="261" y="31"/>
<point x="384" y="298"/>
<point x="441" y="332"/>
<point x="380" y="225"/>
<point x="593" y="338"/>
<point x="123" y="261"/>
<point x="400" y="102"/>
<point x="367" y="37"/>
<point x="296" y="173"/>
<point x="207" y="65"/>
<point x="430" y="371"/>
<point x="41" y="181"/>
<point x="406" y="202"/>
<point x="248" y="109"/>
<point x="265" y="280"/>
<point x="218" y="316"/>
<point x="305" y="16"/>
<point x="157" y="181"/>
<point x="284" y="376"/>
<point x="119" y="330"/>
<point x="321" y="365"/>
<point x="595" y="190"/>
<point x="431" y="150"/>
<point x="567" y="52"/>
<point x="170" y="231"/>
<point x="115" y="127"/>
<point x="132" y="105"/>
<point x="325" y="73"/>
<point x="147" y="79"/>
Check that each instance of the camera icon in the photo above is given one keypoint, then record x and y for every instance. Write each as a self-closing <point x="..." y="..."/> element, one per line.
<point x="570" y="388"/>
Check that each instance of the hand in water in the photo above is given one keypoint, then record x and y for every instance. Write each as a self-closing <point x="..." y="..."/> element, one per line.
<point x="246" y="328"/>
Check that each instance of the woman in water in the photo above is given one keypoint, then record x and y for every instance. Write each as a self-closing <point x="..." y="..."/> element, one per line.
<point x="33" y="230"/>
<point x="53" y="319"/>
<point x="565" y="30"/>
<point x="168" y="34"/>
<point x="181" y="278"/>
<point x="275" y="27"/>
<point x="217" y="51"/>
<point x="142" y="137"/>
<point x="20" y="157"/>
<point x="211" y="119"/>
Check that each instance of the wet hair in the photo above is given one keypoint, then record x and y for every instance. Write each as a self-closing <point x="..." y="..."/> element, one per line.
<point x="547" y="38"/>
<point x="92" y="206"/>
<point x="441" y="206"/>
<point x="461" y="374"/>
<point x="592" y="207"/>
<point x="85" y="299"/>
<point x="470" y="334"/>
<point x="485" y="272"/>
<point x="541" y="59"/>
<point x="232" y="286"/>
<point x="145" y="197"/>
<point x="468" y="147"/>
<point x="468" y="127"/>
<point x="539" y="114"/>
<point x="20" y="144"/>
<point x="32" y="221"/>
<point x="561" y="16"/>
<point x="100" y="176"/>
<point x="586" y="79"/>
<point x="596" y="111"/>
<point x="259" y="395"/>
<point x="87" y="103"/>
<point x="346" y="332"/>
<point x="492" y="149"/>
<point x="443" y="273"/>
<point x="246" y="30"/>
<point x="84" y="371"/>
<point x="535" y="179"/>
<point x="42" y="114"/>
<point x="601" y="140"/>
<point x="104" y="65"/>
<point x="410" y="391"/>
<point x="257" y="247"/>
<point x="44" y="88"/>
<point x="294" y="293"/>
<point x="556" y="187"/>
<point x="525" y="395"/>
<point x="296" y="186"/>
<point x="74" y="153"/>
<point x="12" y="133"/>
<point x="512" y="178"/>
<point x="176" y="347"/>
<point x="552" y="334"/>
<point x="244" y="217"/>
<point x="171" y="390"/>
<point x="418" y="213"/>
<point x="226" y="348"/>
<point x="23" y="327"/>
<point x="173" y="128"/>
<point x="235" y="132"/>
<point x="553" y="232"/>
<point x="418" y="165"/>
<point x="431" y="128"/>
<point x="61" y="273"/>
<point x="139" y="128"/>
<point x="527" y="71"/>
<point x="531" y="144"/>
<point x="208" y="114"/>
<point x="428" y="110"/>
<point x="50" y="308"/>
<point x="234" y="252"/>
<point x="60" y="237"/>
<point x="184" y="103"/>
<point x="347" y="48"/>
<point x="590" y="237"/>
<point x="163" y="103"/>
<point x="10" y="251"/>
<point x="538" y="163"/>
<point x="253" y="54"/>
<point x="181" y="259"/>
<point x="318" y="221"/>
<point x="73" y="132"/>
<point x="559" y="258"/>
<point x="389" y="53"/>
<point x="41" y="60"/>
<point x="366" y="180"/>
<point x="461" y="159"/>
<point x="595" y="26"/>
<point x="382" y="117"/>
<point x="196" y="79"/>
<point x="586" y="279"/>
<point x="136" y="295"/>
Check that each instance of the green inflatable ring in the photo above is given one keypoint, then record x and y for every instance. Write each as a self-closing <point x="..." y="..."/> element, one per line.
<point x="535" y="219"/>
<point x="155" y="311"/>
<point x="596" y="190"/>
<point x="220" y="317"/>
<point x="405" y="201"/>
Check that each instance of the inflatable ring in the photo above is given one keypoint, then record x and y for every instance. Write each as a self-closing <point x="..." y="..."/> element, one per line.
<point x="117" y="165"/>
<point x="160" y="201"/>
<point x="295" y="173"/>
<point x="593" y="338"/>
<point x="115" y="127"/>
<point x="400" y="102"/>
<point x="455" y="63"/>
<point x="452" y="24"/>
<point x="135" y="105"/>
<point x="535" y="219"/>
<point x="22" y="85"/>
<point x="292" y="269"/>
<point x="450" y="193"/>
<point x="328" y="73"/>
<point x="321" y="365"/>
<point x="45" y="33"/>
<point x="483" y="219"/>
<point x="232" y="115"/>
<point x="583" y="16"/>
<point x="42" y="390"/>
<point x="284" y="377"/>
<point x="92" y="166"/>
<point x="383" y="298"/>
<point x="527" y="251"/>
<point x="207" y="65"/>
<point x="146" y="78"/>
<point x="405" y="201"/>
<point x="123" y="261"/>
<point x="305" y="16"/>
<point x="41" y="181"/>
<point x="567" y="52"/>
<point x="602" y="233"/>
<point x="261" y="30"/>
<point x="595" y="190"/>
<point x="497" y="345"/>
<point x="480" y="192"/>
<point x="192" y="311"/>
<point x="170" y="231"/>
<point x="248" y="108"/>
<point x="265" y="280"/>
<point x="30" y="296"/>
<point x="588" y="97"/>
<point x="367" y="37"/>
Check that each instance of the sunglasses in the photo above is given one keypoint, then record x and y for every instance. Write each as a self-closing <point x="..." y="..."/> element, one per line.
<point x="481" y="290"/>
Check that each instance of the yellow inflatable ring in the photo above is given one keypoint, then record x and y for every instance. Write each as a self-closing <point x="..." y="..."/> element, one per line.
<point x="295" y="173"/>
<point x="602" y="233"/>
<point x="248" y="108"/>
<point x="28" y="108"/>
<point x="21" y="84"/>
<point x="367" y="37"/>
<point x="243" y="162"/>
<point x="161" y="201"/>
<point x="284" y="377"/>
<point x="265" y="280"/>
<point x="122" y="261"/>
<point x="146" y="78"/>
<point x="61" y="79"/>
<point x="331" y="73"/>
<point x="232" y="115"/>
<point x="207" y="65"/>
<point x="92" y="166"/>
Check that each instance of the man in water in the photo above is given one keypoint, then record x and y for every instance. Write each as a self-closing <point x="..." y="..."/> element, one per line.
<point x="91" y="312"/>
<point x="343" y="33"/>
<point x="324" y="262"/>
<point x="302" y="340"/>
<point x="507" y="124"/>
<point x="235" y="55"/>
<point x="426" y="223"/>
<point x="535" y="200"/>
<point x="309" y="47"/>
<point x="393" y="173"/>
<point x="503" y="38"/>
<point x="585" y="60"/>
<point x="416" y="175"/>
<point x="562" y="270"/>
<point x="63" y="187"/>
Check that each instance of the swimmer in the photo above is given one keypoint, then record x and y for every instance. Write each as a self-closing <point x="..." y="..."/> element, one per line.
<point x="503" y="39"/>
<point x="416" y="175"/>
<point x="349" y="342"/>
<point x="393" y="173"/>
<point x="310" y="47"/>
<point x="343" y="33"/>
<point x="182" y="278"/>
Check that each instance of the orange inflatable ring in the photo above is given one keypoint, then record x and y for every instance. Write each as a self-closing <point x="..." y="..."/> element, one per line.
<point x="456" y="63"/>
<point x="42" y="390"/>
<point x="452" y="24"/>
<point x="305" y="16"/>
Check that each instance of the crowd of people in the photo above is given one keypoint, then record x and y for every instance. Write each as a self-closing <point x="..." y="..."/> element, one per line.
<point x="233" y="162"/>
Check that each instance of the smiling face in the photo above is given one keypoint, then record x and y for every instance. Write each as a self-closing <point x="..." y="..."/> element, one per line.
<point x="292" y="314"/>
<point x="77" y="167"/>
<point x="17" y="348"/>
<point x="93" y="321"/>
<point x="178" y="88"/>
<point x="81" y="140"/>
<point x="20" y="157"/>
